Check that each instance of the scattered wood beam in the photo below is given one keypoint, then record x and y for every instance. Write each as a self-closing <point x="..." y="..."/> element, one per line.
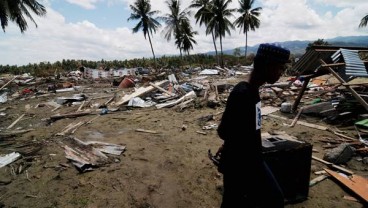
<point x="323" y="128"/>
<point x="162" y="89"/>
<point x="316" y="180"/>
<point x="13" y="133"/>
<point x="70" y="115"/>
<point x="81" y="106"/>
<point x="8" y="82"/>
<point x="146" y="131"/>
<point x="140" y="91"/>
<point x="333" y="165"/>
<point x="16" y="121"/>
<point x="296" y="117"/>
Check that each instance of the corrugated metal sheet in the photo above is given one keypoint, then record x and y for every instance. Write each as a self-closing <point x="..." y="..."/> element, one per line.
<point x="354" y="66"/>
<point x="309" y="62"/>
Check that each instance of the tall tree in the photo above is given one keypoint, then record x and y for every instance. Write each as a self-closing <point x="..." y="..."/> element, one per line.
<point x="219" y="21"/>
<point x="175" y="22"/>
<point x="186" y="38"/>
<point x="248" y="19"/>
<point x="17" y="10"/>
<point x="203" y="15"/>
<point x="148" y="23"/>
<point x="364" y="21"/>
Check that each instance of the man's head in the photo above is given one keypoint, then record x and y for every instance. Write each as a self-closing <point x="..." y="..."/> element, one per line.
<point x="270" y="61"/>
<point x="273" y="53"/>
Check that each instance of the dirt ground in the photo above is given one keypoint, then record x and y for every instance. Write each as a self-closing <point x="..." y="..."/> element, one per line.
<point x="166" y="169"/>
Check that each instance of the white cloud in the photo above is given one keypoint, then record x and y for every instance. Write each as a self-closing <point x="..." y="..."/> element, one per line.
<point x="297" y="21"/>
<point x="56" y="39"/>
<point x="340" y="3"/>
<point x="86" y="4"/>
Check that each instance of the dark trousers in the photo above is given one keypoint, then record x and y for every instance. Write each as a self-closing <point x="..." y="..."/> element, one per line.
<point x="253" y="188"/>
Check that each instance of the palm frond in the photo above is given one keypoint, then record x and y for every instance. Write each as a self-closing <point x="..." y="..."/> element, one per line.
<point x="364" y="21"/>
<point x="17" y="10"/>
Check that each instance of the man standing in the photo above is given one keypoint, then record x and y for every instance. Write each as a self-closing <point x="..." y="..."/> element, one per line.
<point x="247" y="180"/>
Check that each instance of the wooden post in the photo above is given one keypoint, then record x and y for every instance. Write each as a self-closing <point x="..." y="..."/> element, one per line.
<point x="300" y="95"/>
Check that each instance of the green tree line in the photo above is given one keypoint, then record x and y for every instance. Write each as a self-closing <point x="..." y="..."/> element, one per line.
<point x="163" y="62"/>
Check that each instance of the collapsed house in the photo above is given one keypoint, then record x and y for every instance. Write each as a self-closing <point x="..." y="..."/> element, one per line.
<point x="342" y="62"/>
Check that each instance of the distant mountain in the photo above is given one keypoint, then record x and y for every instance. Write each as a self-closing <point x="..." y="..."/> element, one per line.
<point x="297" y="47"/>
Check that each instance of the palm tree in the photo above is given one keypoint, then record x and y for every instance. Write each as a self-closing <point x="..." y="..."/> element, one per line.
<point x="147" y="22"/>
<point x="17" y="10"/>
<point x="219" y="21"/>
<point x="186" y="39"/>
<point x="248" y="19"/>
<point x="203" y="15"/>
<point x="174" y="21"/>
<point x="364" y="21"/>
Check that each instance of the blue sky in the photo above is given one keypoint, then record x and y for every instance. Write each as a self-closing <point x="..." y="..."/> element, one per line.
<point x="98" y="29"/>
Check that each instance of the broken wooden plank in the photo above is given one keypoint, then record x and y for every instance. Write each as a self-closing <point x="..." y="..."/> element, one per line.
<point x="70" y="115"/>
<point x="111" y="99"/>
<point x="4" y="109"/>
<point x="13" y="133"/>
<point x="9" y="158"/>
<point x="90" y="121"/>
<point x="333" y="165"/>
<point x="333" y="65"/>
<point x="146" y="131"/>
<point x="344" y="136"/>
<point x="81" y="106"/>
<point x="16" y="121"/>
<point x="162" y="89"/>
<point x="350" y="198"/>
<point x="320" y="172"/>
<point x="187" y="96"/>
<point x="201" y="132"/>
<point x="216" y="93"/>
<point x="140" y="91"/>
<point x="296" y="117"/>
<point x="316" y="180"/>
<point x="184" y="104"/>
<point x="355" y="183"/>
<point x="77" y="126"/>
<point x="66" y="129"/>
<point x="56" y="108"/>
<point x="8" y="82"/>
<point x="315" y="126"/>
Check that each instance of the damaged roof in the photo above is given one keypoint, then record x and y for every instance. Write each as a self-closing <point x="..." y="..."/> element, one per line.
<point x="309" y="62"/>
